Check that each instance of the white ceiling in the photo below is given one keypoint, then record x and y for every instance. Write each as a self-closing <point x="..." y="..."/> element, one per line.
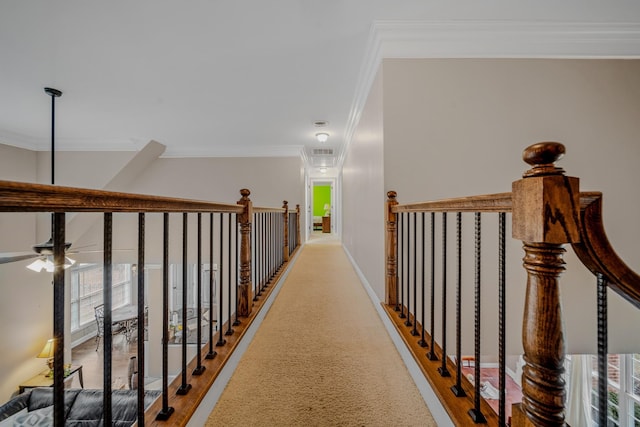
<point x="229" y="78"/>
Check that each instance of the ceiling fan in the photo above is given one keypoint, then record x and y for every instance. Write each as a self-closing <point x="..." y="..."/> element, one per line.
<point x="43" y="251"/>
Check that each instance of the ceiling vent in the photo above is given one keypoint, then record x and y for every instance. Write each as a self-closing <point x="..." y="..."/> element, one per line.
<point x="323" y="151"/>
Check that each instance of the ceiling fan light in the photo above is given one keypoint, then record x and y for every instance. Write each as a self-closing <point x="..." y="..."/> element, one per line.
<point x="37" y="265"/>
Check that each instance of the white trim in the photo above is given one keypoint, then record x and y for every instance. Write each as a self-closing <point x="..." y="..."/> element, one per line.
<point x="485" y="39"/>
<point x="238" y="151"/>
<point x="201" y="414"/>
<point x="430" y="399"/>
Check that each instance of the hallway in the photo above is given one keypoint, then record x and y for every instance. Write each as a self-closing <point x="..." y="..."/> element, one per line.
<point x="321" y="356"/>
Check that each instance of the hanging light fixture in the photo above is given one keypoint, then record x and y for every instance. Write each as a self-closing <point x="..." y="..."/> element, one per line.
<point x="322" y="137"/>
<point x="45" y="261"/>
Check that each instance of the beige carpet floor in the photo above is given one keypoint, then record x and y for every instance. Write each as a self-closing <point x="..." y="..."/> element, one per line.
<point x="321" y="357"/>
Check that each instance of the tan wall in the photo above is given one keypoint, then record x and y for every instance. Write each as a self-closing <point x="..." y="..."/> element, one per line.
<point x="458" y="127"/>
<point x="363" y="195"/>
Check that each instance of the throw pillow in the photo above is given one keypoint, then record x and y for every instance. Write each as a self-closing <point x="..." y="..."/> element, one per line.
<point x="40" y="417"/>
<point x="9" y="422"/>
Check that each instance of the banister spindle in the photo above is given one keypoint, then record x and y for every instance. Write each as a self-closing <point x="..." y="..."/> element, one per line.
<point x="212" y="353"/>
<point x="502" y="319"/>
<point x="166" y="410"/>
<point x="603" y="398"/>
<point x="431" y="355"/>
<point x="401" y="259"/>
<point x="408" y="272"/>
<point x="457" y="387"/>
<point x="414" y="331"/>
<point x="221" y="341"/>
<point x="229" y="330"/>
<point x="546" y="215"/>
<point x="285" y="229"/>
<point x="142" y="318"/>
<point x="184" y="386"/>
<point x="58" y="222"/>
<point x="199" y="369"/>
<point x="422" y="342"/>
<point x="444" y="372"/>
<point x="476" y="414"/>
<point x="107" y="292"/>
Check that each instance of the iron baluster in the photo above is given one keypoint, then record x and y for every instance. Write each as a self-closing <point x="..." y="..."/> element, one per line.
<point x="107" y="292"/>
<point x="212" y="353"/>
<point x="221" y="340"/>
<point x="422" y="341"/>
<point x="502" y="325"/>
<point x="443" y="368"/>
<point x="199" y="369"/>
<point x="184" y="386"/>
<point x="431" y="355"/>
<point x="475" y="413"/>
<point x="457" y="388"/>
<point x="167" y="410"/>
<point x="602" y="350"/>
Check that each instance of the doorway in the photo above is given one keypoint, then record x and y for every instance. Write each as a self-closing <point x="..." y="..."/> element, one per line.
<point x="322" y="207"/>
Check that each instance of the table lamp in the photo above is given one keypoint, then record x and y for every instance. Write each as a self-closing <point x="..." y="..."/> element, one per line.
<point x="47" y="353"/>
<point x="327" y="212"/>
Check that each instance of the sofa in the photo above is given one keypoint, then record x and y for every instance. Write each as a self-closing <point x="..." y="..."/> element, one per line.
<point x="83" y="407"/>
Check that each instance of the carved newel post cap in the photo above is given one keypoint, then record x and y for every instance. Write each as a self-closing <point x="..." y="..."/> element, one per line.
<point x="392" y="194"/>
<point x="541" y="157"/>
<point x="245" y="192"/>
<point x="285" y="202"/>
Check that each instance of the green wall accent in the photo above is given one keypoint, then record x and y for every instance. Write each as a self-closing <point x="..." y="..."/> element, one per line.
<point x="321" y="195"/>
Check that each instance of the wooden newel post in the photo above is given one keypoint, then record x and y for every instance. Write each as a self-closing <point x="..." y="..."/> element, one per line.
<point x="391" y="250"/>
<point x="285" y="248"/>
<point x="244" y="287"/>
<point x="546" y="215"/>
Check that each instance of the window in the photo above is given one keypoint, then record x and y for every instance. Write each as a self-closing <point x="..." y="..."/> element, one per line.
<point x="623" y="390"/>
<point x="86" y="291"/>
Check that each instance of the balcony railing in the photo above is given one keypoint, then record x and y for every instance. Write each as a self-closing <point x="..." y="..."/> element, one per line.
<point x="245" y="248"/>
<point x="546" y="210"/>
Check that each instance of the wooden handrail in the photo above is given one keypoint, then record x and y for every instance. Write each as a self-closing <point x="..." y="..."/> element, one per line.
<point x="27" y="197"/>
<point x="596" y="253"/>
<point x="500" y="202"/>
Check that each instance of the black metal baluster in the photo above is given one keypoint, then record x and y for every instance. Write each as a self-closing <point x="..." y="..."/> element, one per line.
<point x="603" y="400"/>
<point x="502" y="322"/>
<point x="431" y="355"/>
<point x="475" y="413"/>
<point x="414" y="332"/>
<point x="107" y="290"/>
<point x="408" y="321"/>
<point x="229" y="322"/>
<point x="457" y="388"/>
<point x="58" y="223"/>
<point x="142" y="321"/>
<point x="398" y="262"/>
<point x="236" y="273"/>
<point x="401" y="263"/>
<point x="444" y="372"/>
<point x="423" y="342"/>
<point x="212" y="353"/>
<point x="221" y="340"/>
<point x="167" y="410"/>
<point x="255" y="258"/>
<point x="199" y="369"/>
<point x="184" y="386"/>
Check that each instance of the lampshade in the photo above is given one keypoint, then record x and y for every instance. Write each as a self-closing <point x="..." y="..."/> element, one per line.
<point x="47" y="350"/>
<point x="326" y="206"/>
<point x="322" y="136"/>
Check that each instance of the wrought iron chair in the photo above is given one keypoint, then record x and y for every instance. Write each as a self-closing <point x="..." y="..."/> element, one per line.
<point x="116" y="328"/>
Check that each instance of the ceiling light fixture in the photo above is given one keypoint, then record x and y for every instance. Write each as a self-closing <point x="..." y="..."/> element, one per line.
<point x="322" y="137"/>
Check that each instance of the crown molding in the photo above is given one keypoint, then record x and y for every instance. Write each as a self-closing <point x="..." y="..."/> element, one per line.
<point x="485" y="39"/>
<point x="232" y="151"/>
